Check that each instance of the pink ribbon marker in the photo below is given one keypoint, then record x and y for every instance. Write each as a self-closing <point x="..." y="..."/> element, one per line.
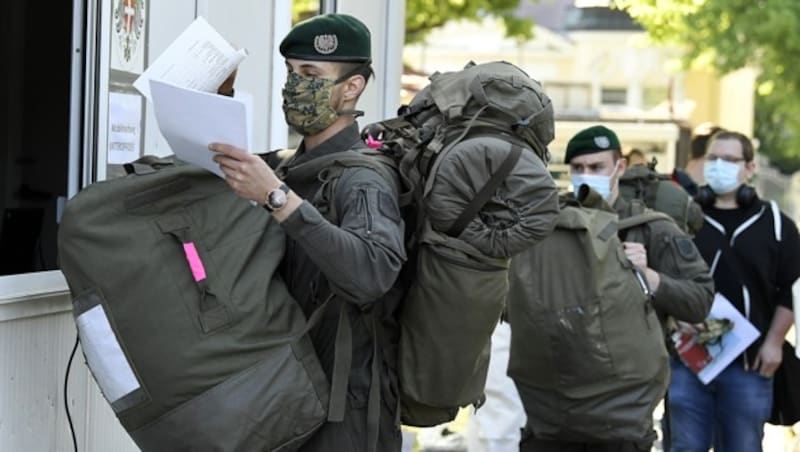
<point x="372" y="143"/>
<point x="198" y="271"/>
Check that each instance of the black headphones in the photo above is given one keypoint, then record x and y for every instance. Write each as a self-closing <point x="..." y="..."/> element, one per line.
<point x="745" y="196"/>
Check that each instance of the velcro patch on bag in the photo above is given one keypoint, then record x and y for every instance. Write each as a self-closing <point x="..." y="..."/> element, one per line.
<point x="105" y="356"/>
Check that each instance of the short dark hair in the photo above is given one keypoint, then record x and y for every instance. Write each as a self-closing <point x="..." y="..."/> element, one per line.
<point x="347" y="69"/>
<point x="635" y="151"/>
<point x="700" y="141"/>
<point x="747" y="146"/>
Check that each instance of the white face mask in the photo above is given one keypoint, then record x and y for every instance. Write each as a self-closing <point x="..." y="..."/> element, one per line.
<point x="600" y="184"/>
<point x="721" y="176"/>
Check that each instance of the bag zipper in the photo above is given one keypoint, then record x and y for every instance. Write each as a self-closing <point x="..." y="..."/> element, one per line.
<point x="646" y="289"/>
<point x="365" y="203"/>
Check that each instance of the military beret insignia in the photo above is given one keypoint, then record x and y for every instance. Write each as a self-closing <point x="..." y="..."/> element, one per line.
<point x="602" y="141"/>
<point x="326" y="44"/>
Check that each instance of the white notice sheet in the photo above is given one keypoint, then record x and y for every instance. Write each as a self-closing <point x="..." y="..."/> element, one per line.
<point x="200" y="58"/>
<point x="124" y="127"/>
<point x="190" y="120"/>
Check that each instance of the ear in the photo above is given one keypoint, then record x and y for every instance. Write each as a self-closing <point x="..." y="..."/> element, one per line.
<point x="623" y="165"/>
<point x="749" y="170"/>
<point x="352" y="87"/>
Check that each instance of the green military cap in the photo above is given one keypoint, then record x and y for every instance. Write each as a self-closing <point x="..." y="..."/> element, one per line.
<point x="329" y="37"/>
<point x="591" y="140"/>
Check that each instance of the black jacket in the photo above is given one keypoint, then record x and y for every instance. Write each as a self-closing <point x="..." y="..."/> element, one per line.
<point x="758" y="267"/>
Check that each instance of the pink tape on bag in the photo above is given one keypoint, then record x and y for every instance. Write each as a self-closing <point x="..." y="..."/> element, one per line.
<point x="198" y="271"/>
<point x="372" y="143"/>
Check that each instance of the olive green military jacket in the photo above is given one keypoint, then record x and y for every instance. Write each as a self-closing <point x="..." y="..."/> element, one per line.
<point x="357" y="259"/>
<point x="686" y="290"/>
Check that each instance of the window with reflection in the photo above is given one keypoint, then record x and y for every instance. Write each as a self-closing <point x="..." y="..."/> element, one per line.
<point x="34" y="132"/>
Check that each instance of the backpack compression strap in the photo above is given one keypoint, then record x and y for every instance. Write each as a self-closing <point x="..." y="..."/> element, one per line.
<point x="485" y="194"/>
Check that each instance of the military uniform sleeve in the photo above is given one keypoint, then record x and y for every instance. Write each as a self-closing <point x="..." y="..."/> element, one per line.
<point x="686" y="290"/>
<point x="789" y="265"/>
<point x="362" y="256"/>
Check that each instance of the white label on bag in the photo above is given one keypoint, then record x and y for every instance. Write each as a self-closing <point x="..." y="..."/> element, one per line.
<point x="104" y="355"/>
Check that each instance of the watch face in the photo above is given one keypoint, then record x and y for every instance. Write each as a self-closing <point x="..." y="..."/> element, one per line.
<point x="277" y="199"/>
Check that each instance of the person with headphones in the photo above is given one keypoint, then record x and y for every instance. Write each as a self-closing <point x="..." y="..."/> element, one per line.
<point x="753" y="250"/>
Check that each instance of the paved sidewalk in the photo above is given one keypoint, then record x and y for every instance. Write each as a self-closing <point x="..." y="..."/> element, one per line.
<point x="448" y="438"/>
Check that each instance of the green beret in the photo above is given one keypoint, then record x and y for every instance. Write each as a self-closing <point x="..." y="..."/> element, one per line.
<point x="591" y="140"/>
<point x="329" y="37"/>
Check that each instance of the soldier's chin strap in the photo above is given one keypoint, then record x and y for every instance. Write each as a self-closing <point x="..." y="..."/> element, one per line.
<point x="355" y="113"/>
<point x="356" y="70"/>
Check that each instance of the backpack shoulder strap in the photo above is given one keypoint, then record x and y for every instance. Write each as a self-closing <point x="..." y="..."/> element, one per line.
<point x="642" y="218"/>
<point x="330" y="168"/>
<point x="640" y="215"/>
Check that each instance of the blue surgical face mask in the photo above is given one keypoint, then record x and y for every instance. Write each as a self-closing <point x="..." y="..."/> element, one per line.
<point x="600" y="184"/>
<point x="721" y="176"/>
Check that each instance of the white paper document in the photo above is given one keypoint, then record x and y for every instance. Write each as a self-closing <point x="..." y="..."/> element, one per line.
<point x="733" y="343"/>
<point x="190" y="120"/>
<point x="200" y="58"/>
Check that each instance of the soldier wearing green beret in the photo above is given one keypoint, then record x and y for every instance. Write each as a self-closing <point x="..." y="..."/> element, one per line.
<point x="676" y="274"/>
<point x="348" y="264"/>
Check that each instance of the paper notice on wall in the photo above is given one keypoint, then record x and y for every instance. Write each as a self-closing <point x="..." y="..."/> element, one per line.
<point x="124" y="127"/>
<point x="200" y="59"/>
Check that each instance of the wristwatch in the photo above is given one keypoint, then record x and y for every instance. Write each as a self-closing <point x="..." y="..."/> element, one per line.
<point x="276" y="199"/>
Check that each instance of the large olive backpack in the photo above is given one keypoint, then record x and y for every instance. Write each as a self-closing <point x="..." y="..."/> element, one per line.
<point x="183" y="319"/>
<point x="472" y="140"/>
<point x="587" y="352"/>
<point x="659" y="193"/>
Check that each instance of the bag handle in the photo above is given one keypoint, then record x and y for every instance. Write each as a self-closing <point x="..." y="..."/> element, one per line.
<point x="147" y="164"/>
<point x="213" y="314"/>
<point x="476" y="89"/>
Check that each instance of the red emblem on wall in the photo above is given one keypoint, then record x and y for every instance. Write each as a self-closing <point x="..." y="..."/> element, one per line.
<point x="128" y="25"/>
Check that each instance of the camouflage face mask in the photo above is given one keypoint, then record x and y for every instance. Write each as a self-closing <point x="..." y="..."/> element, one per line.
<point x="307" y="104"/>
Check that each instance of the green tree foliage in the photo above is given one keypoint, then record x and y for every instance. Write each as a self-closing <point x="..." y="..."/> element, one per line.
<point x="422" y="16"/>
<point x="731" y="34"/>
